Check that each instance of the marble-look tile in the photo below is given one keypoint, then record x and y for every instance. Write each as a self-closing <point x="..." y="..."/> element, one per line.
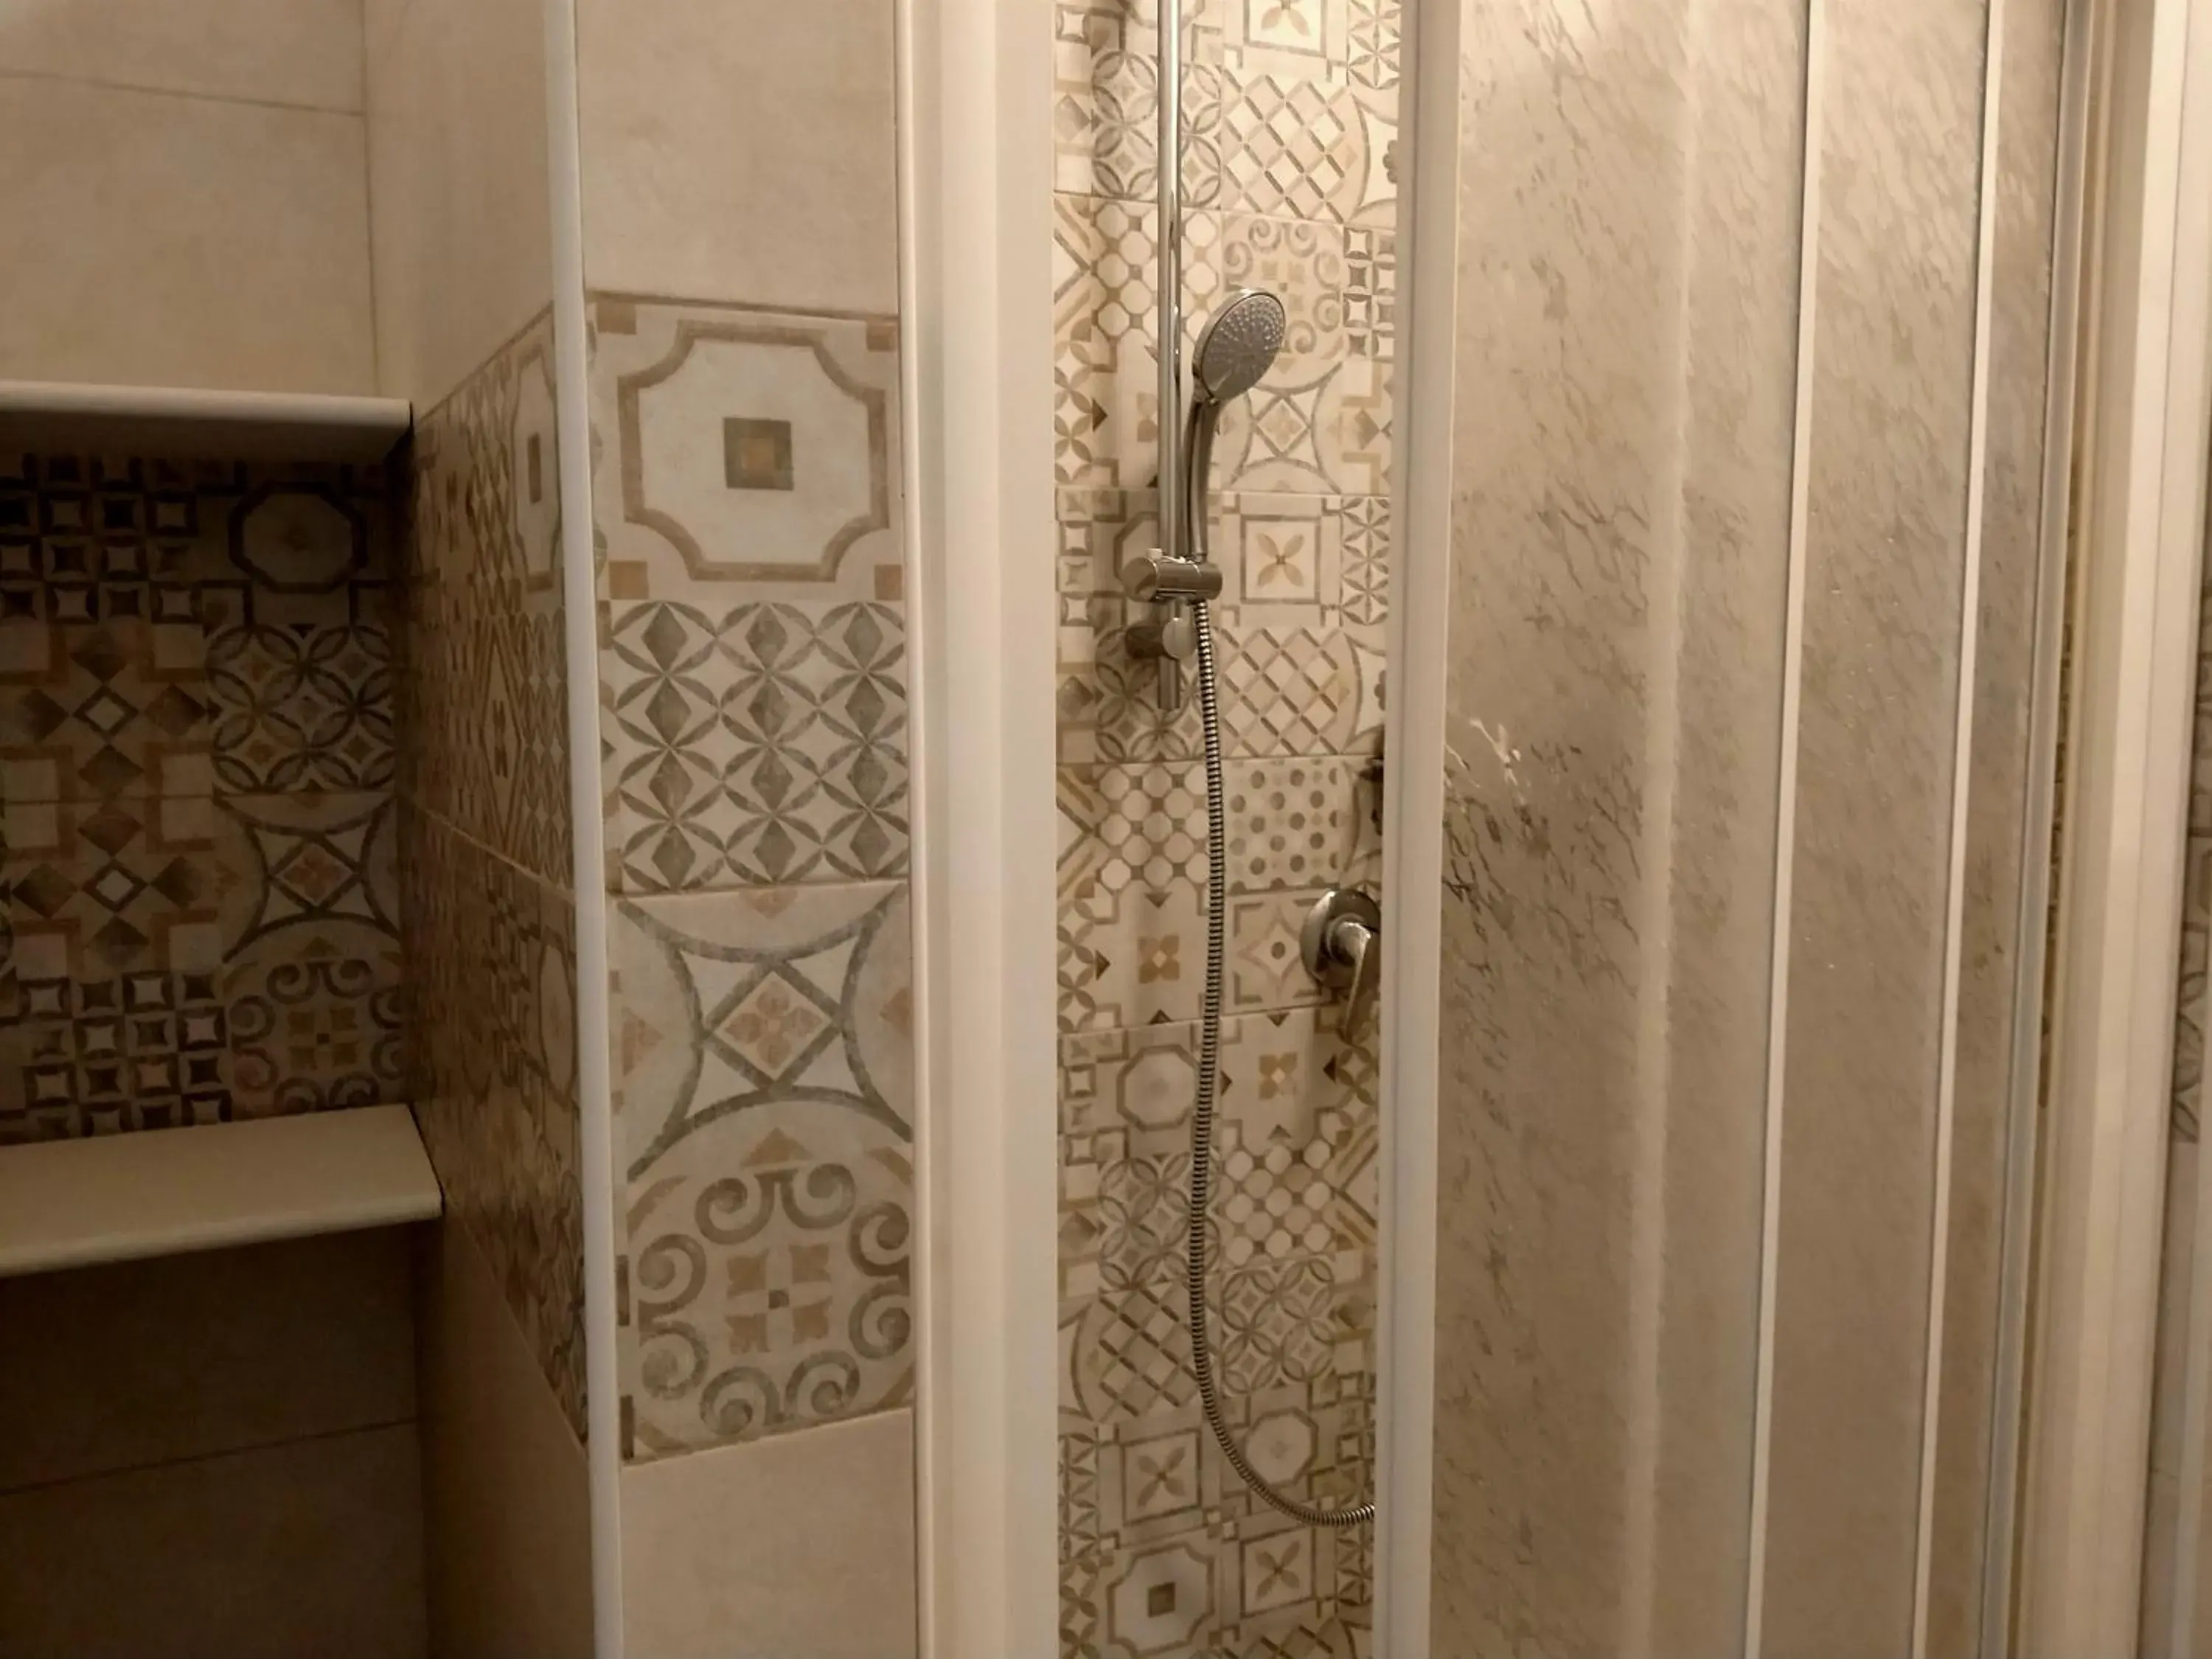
<point x="740" y="150"/>
<point x="132" y="191"/>
<point x="754" y="744"/>
<point x="762" y="1096"/>
<point x="742" y="452"/>
<point x="491" y="951"/>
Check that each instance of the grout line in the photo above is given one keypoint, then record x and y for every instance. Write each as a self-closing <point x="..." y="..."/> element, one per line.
<point x="64" y="1482"/>
<point x="1962" y="756"/>
<point x="537" y="319"/>
<point x="1785" y="827"/>
<point x="184" y="94"/>
<point x="454" y="831"/>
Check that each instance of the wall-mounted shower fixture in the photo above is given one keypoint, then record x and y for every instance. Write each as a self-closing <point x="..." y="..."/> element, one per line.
<point x="1234" y="350"/>
<point x="1340" y="944"/>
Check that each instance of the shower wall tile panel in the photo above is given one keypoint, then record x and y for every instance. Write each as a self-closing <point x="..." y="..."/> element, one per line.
<point x="490" y="918"/>
<point x="196" y="795"/>
<point x="763" y="1097"/>
<point x="1290" y="112"/>
<point x="753" y="693"/>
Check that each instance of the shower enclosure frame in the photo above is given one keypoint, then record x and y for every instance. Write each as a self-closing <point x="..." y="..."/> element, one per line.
<point x="975" y="124"/>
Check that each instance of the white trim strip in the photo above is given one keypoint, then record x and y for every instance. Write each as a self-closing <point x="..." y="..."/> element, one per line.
<point x="1785" y="825"/>
<point x="1962" y="760"/>
<point x="1413" y="872"/>
<point x="581" y="614"/>
<point x="922" y="796"/>
<point x="2038" y="825"/>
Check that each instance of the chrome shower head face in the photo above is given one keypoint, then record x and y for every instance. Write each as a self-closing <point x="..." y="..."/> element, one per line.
<point x="1237" y="345"/>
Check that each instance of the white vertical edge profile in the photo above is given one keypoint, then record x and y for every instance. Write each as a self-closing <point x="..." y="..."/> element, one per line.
<point x="579" y="607"/>
<point x="1962" y="774"/>
<point x="2141" y="544"/>
<point x="1785" y="826"/>
<point x="976" y="136"/>
<point x="1414" y="742"/>
<point x="2194" y="242"/>
<point x="2032" y="927"/>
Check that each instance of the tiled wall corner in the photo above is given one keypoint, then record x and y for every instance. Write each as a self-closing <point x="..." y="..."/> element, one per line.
<point x="753" y="679"/>
<point x="490" y="908"/>
<point x="196" y="820"/>
<point x="1291" y="109"/>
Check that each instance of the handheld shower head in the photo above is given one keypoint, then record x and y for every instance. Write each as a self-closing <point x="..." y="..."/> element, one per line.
<point x="1237" y="345"/>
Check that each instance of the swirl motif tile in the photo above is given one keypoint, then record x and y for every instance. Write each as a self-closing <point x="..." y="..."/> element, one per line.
<point x="763" y="1088"/>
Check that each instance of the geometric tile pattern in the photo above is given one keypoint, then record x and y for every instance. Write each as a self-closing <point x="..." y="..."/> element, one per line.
<point x="762" y="1088"/>
<point x="492" y="951"/>
<point x="1290" y="114"/>
<point x="489" y="921"/>
<point x="484" y="694"/>
<point x="744" y="454"/>
<point x="197" y="859"/>
<point x="757" y="745"/>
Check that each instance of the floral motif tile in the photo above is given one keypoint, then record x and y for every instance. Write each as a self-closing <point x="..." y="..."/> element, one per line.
<point x="744" y="454"/>
<point x="757" y="744"/>
<point x="492" y="955"/>
<point x="763" y="1088"/>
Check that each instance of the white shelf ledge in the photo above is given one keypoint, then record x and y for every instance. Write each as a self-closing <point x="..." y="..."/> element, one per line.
<point x="187" y="423"/>
<point x="165" y="1192"/>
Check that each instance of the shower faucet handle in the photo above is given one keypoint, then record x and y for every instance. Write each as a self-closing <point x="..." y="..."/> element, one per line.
<point x="1341" y="942"/>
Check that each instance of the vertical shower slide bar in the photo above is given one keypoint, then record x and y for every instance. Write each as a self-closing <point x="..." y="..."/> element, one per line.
<point x="1168" y="170"/>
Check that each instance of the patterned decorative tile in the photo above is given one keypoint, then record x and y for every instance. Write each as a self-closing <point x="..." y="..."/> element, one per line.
<point x="1291" y="106"/>
<point x="760" y="744"/>
<point x="271" y="919"/>
<point x="493" y="961"/>
<point x="1106" y="106"/>
<point x="312" y="975"/>
<point x="483" y="693"/>
<point x="152" y="614"/>
<point x="147" y="1050"/>
<point x="762" y="1091"/>
<point x="691" y="508"/>
<point x="1295" y="146"/>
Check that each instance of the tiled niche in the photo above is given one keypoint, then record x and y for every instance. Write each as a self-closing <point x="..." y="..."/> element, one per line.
<point x="196" y="795"/>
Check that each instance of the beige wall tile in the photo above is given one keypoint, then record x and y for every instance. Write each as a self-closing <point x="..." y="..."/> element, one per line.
<point x="256" y="1347"/>
<point x="507" y="1499"/>
<point x="801" y="1546"/>
<point x="183" y="241"/>
<point x="457" y="185"/>
<point x="740" y="149"/>
<point x="280" y="52"/>
<point x="312" y="1547"/>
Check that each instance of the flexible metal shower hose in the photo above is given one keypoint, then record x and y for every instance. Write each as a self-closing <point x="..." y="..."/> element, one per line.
<point x="1201" y="1116"/>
